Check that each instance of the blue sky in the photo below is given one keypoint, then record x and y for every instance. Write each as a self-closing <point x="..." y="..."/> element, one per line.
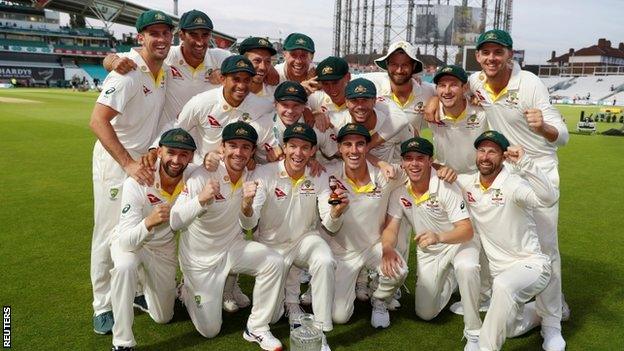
<point x="539" y="26"/>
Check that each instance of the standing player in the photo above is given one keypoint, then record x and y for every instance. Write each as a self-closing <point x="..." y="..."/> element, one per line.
<point x="125" y="120"/>
<point x="446" y="253"/>
<point x="355" y="224"/>
<point x="281" y="200"/>
<point x="333" y="75"/>
<point x="208" y="113"/>
<point x="212" y="244"/>
<point x="297" y="65"/>
<point x="259" y="51"/>
<point x="501" y="198"/>
<point x="144" y="238"/>
<point x="517" y="104"/>
<point x="398" y="84"/>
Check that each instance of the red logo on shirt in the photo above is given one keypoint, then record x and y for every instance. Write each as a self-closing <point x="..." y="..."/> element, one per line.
<point x="479" y="95"/>
<point x="267" y="147"/>
<point x="146" y="91"/>
<point x="175" y="73"/>
<point x="332" y="136"/>
<point x="406" y="203"/>
<point x="153" y="199"/>
<point x="470" y="198"/>
<point x="279" y="193"/>
<point x="213" y="122"/>
<point x="381" y="99"/>
<point x="219" y="197"/>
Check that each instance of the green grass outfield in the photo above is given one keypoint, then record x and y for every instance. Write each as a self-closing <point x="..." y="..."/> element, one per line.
<point x="46" y="221"/>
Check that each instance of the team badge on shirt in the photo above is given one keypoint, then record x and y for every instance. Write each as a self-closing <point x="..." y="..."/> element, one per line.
<point x="307" y="188"/>
<point x="113" y="193"/>
<point x="433" y="204"/>
<point x="472" y="122"/>
<point x="207" y="75"/>
<point x="497" y="198"/>
<point x="512" y="98"/>
<point x="420" y="107"/>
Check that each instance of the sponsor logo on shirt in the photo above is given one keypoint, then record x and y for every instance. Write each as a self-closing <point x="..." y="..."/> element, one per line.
<point x="433" y="204"/>
<point x="497" y="198"/>
<point x="175" y="73"/>
<point x="470" y="197"/>
<point x="153" y="199"/>
<point x="512" y="98"/>
<point x="219" y="197"/>
<point x="406" y="203"/>
<point x="109" y="91"/>
<point x="480" y="95"/>
<point x="213" y="122"/>
<point x="126" y="209"/>
<point x="146" y="90"/>
<point x="280" y="194"/>
<point x="307" y="188"/>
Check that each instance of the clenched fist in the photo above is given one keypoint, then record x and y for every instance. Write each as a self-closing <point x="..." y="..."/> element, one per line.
<point x="208" y="193"/>
<point x="159" y="215"/>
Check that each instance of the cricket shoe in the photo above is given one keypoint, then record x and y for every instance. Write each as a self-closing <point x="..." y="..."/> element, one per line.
<point x="140" y="303"/>
<point x="242" y="301"/>
<point x="103" y="323"/>
<point x="362" y="292"/>
<point x="306" y="297"/>
<point x="293" y="312"/>
<point x="472" y="341"/>
<point x="393" y="304"/>
<point x="122" y="348"/>
<point x="265" y="339"/>
<point x="458" y="307"/>
<point x="380" y="317"/>
<point x="229" y="304"/>
<point x="553" y="340"/>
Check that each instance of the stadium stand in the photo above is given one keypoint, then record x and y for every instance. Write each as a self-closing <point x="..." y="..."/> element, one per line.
<point x="592" y="88"/>
<point x="94" y="71"/>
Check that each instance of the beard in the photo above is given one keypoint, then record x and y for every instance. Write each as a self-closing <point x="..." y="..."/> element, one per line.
<point x="173" y="173"/>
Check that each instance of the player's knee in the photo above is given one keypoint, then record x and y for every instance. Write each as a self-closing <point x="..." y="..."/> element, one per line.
<point x="323" y="262"/>
<point x="209" y="329"/>
<point x="468" y="270"/>
<point x="341" y="315"/>
<point x="163" y="318"/>
<point x="501" y="287"/>
<point x="126" y="266"/>
<point x="273" y="263"/>
<point x="426" y="312"/>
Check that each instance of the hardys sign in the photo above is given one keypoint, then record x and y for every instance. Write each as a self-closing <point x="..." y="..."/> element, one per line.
<point x="36" y="73"/>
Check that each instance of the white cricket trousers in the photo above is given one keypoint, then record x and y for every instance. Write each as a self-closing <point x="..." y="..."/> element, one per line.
<point x="108" y="178"/>
<point x="439" y="272"/>
<point x="549" y="302"/>
<point x="313" y="253"/>
<point x="203" y="286"/>
<point x="511" y="289"/>
<point x="348" y="266"/>
<point x="159" y="275"/>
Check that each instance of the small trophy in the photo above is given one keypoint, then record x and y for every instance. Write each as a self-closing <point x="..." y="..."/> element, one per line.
<point x="334" y="199"/>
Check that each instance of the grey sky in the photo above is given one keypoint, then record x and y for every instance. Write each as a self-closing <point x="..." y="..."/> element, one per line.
<point x="538" y="27"/>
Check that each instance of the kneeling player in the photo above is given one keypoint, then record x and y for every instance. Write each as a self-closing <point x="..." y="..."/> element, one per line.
<point x="446" y="253"/>
<point x="144" y="237"/>
<point x="501" y="198"/>
<point x="212" y="244"/>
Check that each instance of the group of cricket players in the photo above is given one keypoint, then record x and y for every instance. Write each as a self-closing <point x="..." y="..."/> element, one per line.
<point x="222" y="164"/>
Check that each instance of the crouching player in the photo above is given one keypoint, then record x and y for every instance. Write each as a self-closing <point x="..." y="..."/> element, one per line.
<point x="144" y="237"/>
<point x="501" y="198"/>
<point x="447" y="254"/>
<point x="212" y="244"/>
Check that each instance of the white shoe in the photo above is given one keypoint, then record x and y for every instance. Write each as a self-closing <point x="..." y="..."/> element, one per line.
<point x="362" y="292"/>
<point x="380" y="318"/>
<point x="553" y="340"/>
<point x="242" y="301"/>
<point x="293" y="312"/>
<point x="458" y="308"/>
<point x="393" y="304"/>
<point x="305" y="277"/>
<point x="565" y="312"/>
<point x="229" y="304"/>
<point x="472" y="344"/>
<point x="265" y="339"/>
<point x="306" y="297"/>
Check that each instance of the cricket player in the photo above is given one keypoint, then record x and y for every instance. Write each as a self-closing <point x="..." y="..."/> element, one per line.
<point x="144" y="238"/>
<point x="193" y="66"/>
<point x="260" y="51"/>
<point x="501" y="198"/>
<point x="297" y="66"/>
<point x="355" y="224"/>
<point x="125" y="120"/>
<point x="447" y="256"/>
<point x="333" y="75"/>
<point x="281" y="199"/>
<point x="517" y="105"/>
<point x="212" y="244"/>
<point x="209" y="112"/>
<point x="398" y="85"/>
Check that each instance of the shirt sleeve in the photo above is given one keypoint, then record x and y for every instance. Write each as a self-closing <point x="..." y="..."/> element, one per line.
<point x="187" y="119"/>
<point x="132" y="231"/>
<point x="117" y="90"/>
<point x="540" y="192"/>
<point x="327" y="145"/>
<point x="394" y="206"/>
<point x="187" y="206"/>
<point x="552" y="117"/>
<point x="454" y="203"/>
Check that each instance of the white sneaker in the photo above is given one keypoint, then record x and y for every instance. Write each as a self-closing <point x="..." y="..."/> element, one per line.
<point x="265" y="339"/>
<point x="242" y="301"/>
<point x="553" y="340"/>
<point x="293" y="312"/>
<point x="380" y="318"/>
<point x="393" y="304"/>
<point x="458" y="308"/>
<point x="565" y="312"/>
<point x="306" y="297"/>
<point x="229" y="304"/>
<point x="472" y="342"/>
<point x="362" y="292"/>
